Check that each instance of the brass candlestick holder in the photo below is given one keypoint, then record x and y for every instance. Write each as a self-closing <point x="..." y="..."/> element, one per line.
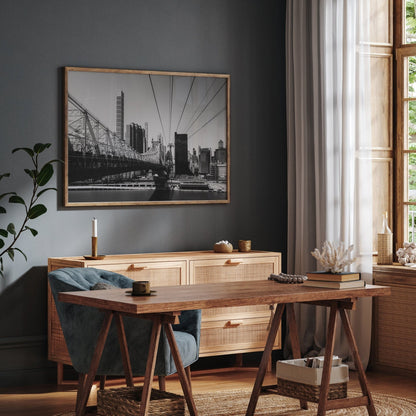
<point x="94" y="252"/>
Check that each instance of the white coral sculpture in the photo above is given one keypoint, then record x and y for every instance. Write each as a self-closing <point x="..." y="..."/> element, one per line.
<point x="334" y="257"/>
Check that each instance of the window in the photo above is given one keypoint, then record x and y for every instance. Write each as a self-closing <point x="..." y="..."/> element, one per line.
<point x="405" y="45"/>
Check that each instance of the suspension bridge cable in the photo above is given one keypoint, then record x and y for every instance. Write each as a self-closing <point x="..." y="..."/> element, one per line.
<point x="209" y="102"/>
<point x="200" y="104"/>
<point x="209" y="121"/>
<point x="157" y="106"/>
<point x="186" y="102"/>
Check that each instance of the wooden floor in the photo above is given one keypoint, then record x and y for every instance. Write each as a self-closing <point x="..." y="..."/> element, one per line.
<point x="51" y="399"/>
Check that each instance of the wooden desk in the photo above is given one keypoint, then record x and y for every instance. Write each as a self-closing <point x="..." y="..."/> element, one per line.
<point x="170" y="300"/>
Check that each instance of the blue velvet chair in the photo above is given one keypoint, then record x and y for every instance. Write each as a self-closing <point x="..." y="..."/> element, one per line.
<point x="81" y="325"/>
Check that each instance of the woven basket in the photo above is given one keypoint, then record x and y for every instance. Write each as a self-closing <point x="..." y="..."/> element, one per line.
<point x="309" y="392"/>
<point x="125" y="401"/>
<point x="244" y="245"/>
<point x="385" y="248"/>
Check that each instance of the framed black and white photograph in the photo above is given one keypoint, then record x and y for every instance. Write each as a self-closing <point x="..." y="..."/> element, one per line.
<point x="146" y="137"/>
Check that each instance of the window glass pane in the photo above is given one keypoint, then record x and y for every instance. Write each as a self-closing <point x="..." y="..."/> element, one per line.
<point x="410" y="143"/>
<point x="411" y="80"/>
<point x="410" y="35"/>
<point x="409" y="125"/>
<point x="410" y="161"/>
<point x="410" y="213"/>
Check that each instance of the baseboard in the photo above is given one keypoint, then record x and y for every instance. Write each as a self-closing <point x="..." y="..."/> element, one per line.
<point x="23" y="361"/>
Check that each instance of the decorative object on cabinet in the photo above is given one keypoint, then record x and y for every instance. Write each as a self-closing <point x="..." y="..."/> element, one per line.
<point x="232" y="330"/>
<point x="223" y="246"/>
<point x="40" y="176"/>
<point x="334" y="257"/>
<point x="394" y="324"/>
<point x="142" y="158"/>
<point x="287" y="278"/>
<point x="244" y="245"/>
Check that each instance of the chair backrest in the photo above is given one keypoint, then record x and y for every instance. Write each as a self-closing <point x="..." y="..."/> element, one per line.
<point x="81" y="325"/>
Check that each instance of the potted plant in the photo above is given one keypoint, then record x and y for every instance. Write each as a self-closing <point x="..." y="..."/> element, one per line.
<point x="40" y="176"/>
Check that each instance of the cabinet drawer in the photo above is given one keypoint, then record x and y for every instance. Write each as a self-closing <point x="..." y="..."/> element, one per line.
<point x="229" y="270"/>
<point x="232" y="269"/>
<point x="235" y="336"/>
<point x="158" y="273"/>
<point x="236" y="312"/>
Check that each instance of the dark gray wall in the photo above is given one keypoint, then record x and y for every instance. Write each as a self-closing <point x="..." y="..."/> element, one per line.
<point x="244" y="38"/>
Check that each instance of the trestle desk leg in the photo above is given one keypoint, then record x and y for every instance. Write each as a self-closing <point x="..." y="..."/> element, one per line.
<point x="274" y="327"/>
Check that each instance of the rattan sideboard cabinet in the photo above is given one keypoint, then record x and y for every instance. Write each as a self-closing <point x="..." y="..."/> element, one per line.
<point x="394" y="347"/>
<point x="224" y="331"/>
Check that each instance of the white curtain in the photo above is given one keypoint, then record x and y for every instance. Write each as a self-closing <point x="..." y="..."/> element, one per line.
<point x="329" y="166"/>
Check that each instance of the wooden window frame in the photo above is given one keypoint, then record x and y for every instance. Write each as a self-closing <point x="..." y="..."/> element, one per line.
<point x="401" y="52"/>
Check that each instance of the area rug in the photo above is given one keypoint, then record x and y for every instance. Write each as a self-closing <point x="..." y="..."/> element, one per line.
<point x="234" y="403"/>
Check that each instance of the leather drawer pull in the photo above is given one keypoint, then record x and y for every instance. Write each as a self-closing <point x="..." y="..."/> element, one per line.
<point x="234" y="323"/>
<point x="232" y="263"/>
<point x="137" y="268"/>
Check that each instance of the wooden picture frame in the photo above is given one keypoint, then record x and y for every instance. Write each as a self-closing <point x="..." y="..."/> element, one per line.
<point x="137" y="137"/>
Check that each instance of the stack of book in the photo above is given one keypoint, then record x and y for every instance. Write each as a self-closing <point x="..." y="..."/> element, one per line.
<point x="344" y="280"/>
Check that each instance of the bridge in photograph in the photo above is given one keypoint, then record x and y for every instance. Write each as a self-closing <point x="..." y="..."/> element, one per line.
<point x="95" y="151"/>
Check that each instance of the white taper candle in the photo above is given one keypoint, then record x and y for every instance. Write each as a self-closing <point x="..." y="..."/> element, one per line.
<point x="94" y="227"/>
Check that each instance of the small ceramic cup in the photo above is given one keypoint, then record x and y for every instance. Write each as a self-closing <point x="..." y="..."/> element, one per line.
<point x="141" y="287"/>
<point x="244" y="245"/>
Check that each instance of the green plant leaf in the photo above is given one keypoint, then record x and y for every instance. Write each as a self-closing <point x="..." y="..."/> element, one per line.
<point x="7" y="193"/>
<point x="44" y="190"/>
<point x="25" y="149"/>
<point x="1" y="243"/>
<point x="23" y="254"/>
<point x="3" y="232"/>
<point x="11" y="229"/>
<point x="40" y="147"/>
<point x="16" y="199"/>
<point x="56" y="160"/>
<point x="32" y="230"/>
<point x="31" y="172"/>
<point x="44" y="175"/>
<point x="10" y="252"/>
<point x="4" y="175"/>
<point x="36" y="211"/>
<point x="2" y="210"/>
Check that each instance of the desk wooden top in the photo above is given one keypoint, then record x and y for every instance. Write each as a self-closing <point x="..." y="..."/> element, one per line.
<point x="213" y="295"/>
